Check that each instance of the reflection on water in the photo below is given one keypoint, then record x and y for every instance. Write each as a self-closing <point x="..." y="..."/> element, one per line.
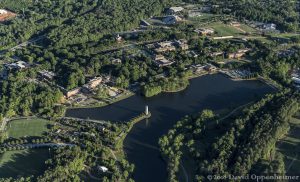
<point x="214" y="92"/>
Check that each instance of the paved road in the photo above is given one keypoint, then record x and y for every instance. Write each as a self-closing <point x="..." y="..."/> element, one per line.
<point x="24" y="44"/>
<point x="3" y="124"/>
<point x="40" y="145"/>
<point x="128" y="46"/>
<point x="86" y="120"/>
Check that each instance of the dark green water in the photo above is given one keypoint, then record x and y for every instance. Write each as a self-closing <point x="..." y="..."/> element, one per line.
<point x="214" y="92"/>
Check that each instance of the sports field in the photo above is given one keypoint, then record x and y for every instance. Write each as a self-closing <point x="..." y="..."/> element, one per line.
<point x="222" y="29"/>
<point x="27" y="127"/>
<point x="23" y="162"/>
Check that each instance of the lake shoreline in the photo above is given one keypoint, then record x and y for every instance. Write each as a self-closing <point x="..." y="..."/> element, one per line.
<point x="141" y="143"/>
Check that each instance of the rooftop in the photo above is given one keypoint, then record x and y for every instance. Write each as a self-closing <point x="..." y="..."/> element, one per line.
<point x="176" y="9"/>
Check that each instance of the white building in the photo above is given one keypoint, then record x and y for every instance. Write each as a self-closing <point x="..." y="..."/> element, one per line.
<point x="161" y="61"/>
<point x="173" y="10"/>
<point x="205" y="31"/>
<point x="17" y="65"/>
<point x="116" y="61"/>
<point x="269" y="26"/>
<point x="47" y="74"/>
<point x="102" y="169"/>
<point x="195" y="13"/>
<point x="3" y="12"/>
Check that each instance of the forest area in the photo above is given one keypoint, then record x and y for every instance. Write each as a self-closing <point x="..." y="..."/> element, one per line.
<point x="74" y="37"/>
<point x="245" y="145"/>
<point x="283" y="13"/>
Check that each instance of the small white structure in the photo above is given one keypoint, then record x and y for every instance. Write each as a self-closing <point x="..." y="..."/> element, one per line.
<point x="17" y="65"/>
<point x="173" y="10"/>
<point x="102" y="169"/>
<point x="269" y="26"/>
<point x="116" y="61"/>
<point x="205" y="31"/>
<point x="146" y="110"/>
<point x="195" y="13"/>
<point x="119" y="38"/>
<point x="3" y="12"/>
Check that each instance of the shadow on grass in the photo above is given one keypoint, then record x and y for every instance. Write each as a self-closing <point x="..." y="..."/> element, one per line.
<point x="26" y="163"/>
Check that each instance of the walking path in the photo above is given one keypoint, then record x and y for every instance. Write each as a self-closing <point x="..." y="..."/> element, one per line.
<point x="87" y="120"/>
<point x="40" y="145"/>
<point x="24" y="44"/>
<point x="113" y="154"/>
<point x="3" y="124"/>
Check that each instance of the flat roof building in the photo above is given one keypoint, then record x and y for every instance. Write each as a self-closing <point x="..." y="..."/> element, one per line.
<point x="17" y="65"/>
<point x="3" y="12"/>
<point x="173" y="10"/>
<point x="72" y="92"/>
<point x="171" y="19"/>
<point x="47" y="74"/>
<point x="182" y="44"/>
<point x="161" y="61"/>
<point x="93" y="83"/>
<point x="205" y="31"/>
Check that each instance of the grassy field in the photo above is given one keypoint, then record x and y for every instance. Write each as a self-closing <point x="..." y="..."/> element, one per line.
<point x="206" y="17"/>
<point x="285" y="35"/>
<point x="248" y="28"/>
<point x="222" y="29"/>
<point x="15" y="5"/>
<point x="31" y="127"/>
<point x="290" y="148"/>
<point x="23" y="162"/>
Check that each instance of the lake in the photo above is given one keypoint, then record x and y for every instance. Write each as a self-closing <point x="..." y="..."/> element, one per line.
<point x="215" y="92"/>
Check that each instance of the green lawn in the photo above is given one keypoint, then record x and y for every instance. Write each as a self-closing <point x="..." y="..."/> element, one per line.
<point x="247" y="28"/>
<point x="206" y="17"/>
<point x="285" y="35"/>
<point x="23" y="162"/>
<point x="222" y="29"/>
<point x="290" y="148"/>
<point x="31" y="127"/>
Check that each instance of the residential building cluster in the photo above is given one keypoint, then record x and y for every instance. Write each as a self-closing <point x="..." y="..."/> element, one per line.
<point x="157" y="49"/>
<point x="167" y="46"/>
